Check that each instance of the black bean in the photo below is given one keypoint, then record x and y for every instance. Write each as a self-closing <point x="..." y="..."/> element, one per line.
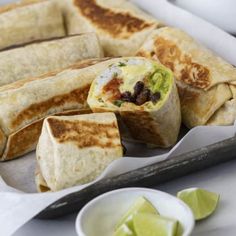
<point x="147" y="93"/>
<point x="155" y="97"/>
<point x="126" y="96"/>
<point x="143" y="97"/>
<point x="138" y="88"/>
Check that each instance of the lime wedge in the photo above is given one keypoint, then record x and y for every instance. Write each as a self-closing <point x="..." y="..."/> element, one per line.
<point x="141" y="205"/>
<point x="123" y="230"/>
<point x="202" y="202"/>
<point x="146" y="224"/>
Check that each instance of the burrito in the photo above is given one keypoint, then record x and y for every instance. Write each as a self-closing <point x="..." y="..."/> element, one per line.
<point x="145" y="96"/>
<point x="40" y="58"/>
<point x="29" y="21"/>
<point x="205" y="81"/>
<point x="120" y="25"/>
<point x="75" y="150"/>
<point x="24" y="104"/>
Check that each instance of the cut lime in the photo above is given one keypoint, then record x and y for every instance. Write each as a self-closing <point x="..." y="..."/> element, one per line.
<point x="202" y="202"/>
<point x="123" y="230"/>
<point x="146" y="224"/>
<point x="141" y="205"/>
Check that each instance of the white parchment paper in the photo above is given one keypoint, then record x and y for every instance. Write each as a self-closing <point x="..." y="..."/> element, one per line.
<point x="19" y="201"/>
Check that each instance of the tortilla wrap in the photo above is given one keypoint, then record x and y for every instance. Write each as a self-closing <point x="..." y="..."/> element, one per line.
<point x="74" y="150"/>
<point x="120" y="25"/>
<point x="29" y="21"/>
<point x="202" y="77"/>
<point x="25" y="103"/>
<point x="145" y="96"/>
<point x="40" y="58"/>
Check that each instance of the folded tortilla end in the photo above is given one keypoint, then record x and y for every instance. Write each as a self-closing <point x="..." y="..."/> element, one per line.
<point x="74" y="150"/>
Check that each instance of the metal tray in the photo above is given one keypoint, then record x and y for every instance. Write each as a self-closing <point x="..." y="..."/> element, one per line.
<point x="151" y="175"/>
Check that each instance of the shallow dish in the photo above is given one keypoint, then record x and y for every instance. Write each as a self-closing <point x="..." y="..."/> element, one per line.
<point x="100" y="216"/>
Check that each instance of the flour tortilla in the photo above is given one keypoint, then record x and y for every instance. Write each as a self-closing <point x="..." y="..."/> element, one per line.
<point x="40" y="58"/>
<point x="24" y="104"/>
<point x="202" y="77"/>
<point x="120" y="25"/>
<point x="227" y="113"/>
<point x="74" y="150"/>
<point x="29" y="21"/>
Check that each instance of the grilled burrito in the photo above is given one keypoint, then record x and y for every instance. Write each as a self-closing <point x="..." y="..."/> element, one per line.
<point x="206" y="82"/>
<point x="40" y="58"/>
<point x="74" y="150"/>
<point x="24" y="104"/>
<point x="120" y="25"/>
<point x="144" y="94"/>
<point x="29" y="21"/>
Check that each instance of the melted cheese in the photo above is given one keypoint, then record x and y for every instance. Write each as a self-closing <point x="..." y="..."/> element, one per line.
<point x="131" y="74"/>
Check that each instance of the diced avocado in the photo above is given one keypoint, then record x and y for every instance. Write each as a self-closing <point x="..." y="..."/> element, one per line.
<point x="160" y="81"/>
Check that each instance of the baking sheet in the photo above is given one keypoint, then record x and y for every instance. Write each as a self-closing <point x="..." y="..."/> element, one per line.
<point x="18" y="200"/>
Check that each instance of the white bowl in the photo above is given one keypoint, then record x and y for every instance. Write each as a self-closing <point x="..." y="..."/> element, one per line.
<point x="220" y="12"/>
<point x="99" y="217"/>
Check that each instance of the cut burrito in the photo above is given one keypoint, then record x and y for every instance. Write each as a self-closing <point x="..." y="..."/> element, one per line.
<point x="144" y="94"/>
<point x="203" y="79"/>
<point x="120" y="25"/>
<point x="74" y="150"/>
<point x="24" y="104"/>
<point x="29" y="21"/>
<point x="40" y="58"/>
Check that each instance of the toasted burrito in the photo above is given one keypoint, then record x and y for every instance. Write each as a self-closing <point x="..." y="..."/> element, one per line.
<point x="24" y="104"/>
<point x="40" y="58"/>
<point x="30" y="21"/>
<point x="145" y="96"/>
<point x="75" y="150"/>
<point x="120" y="25"/>
<point x="206" y="82"/>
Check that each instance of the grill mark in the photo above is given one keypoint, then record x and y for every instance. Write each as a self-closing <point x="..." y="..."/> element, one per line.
<point x="23" y="141"/>
<point x="39" y="109"/>
<point x="142" y="127"/>
<point x="117" y="24"/>
<point x="26" y="139"/>
<point x="85" y="133"/>
<point x="184" y="68"/>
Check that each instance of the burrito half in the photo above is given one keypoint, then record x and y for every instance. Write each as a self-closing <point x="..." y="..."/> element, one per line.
<point x="74" y="150"/>
<point x="24" y="104"/>
<point x="40" y="58"/>
<point x="203" y="78"/>
<point x="120" y="25"/>
<point x="144" y="93"/>
<point x="29" y="21"/>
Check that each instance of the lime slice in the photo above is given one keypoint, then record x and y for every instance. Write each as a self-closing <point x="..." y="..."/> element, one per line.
<point x="123" y="230"/>
<point x="146" y="224"/>
<point x="141" y="205"/>
<point x="202" y="202"/>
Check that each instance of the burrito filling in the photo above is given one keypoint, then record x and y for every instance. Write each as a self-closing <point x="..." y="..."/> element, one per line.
<point x="137" y="81"/>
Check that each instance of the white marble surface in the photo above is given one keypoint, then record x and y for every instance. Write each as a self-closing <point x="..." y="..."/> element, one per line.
<point x="221" y="179"/>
